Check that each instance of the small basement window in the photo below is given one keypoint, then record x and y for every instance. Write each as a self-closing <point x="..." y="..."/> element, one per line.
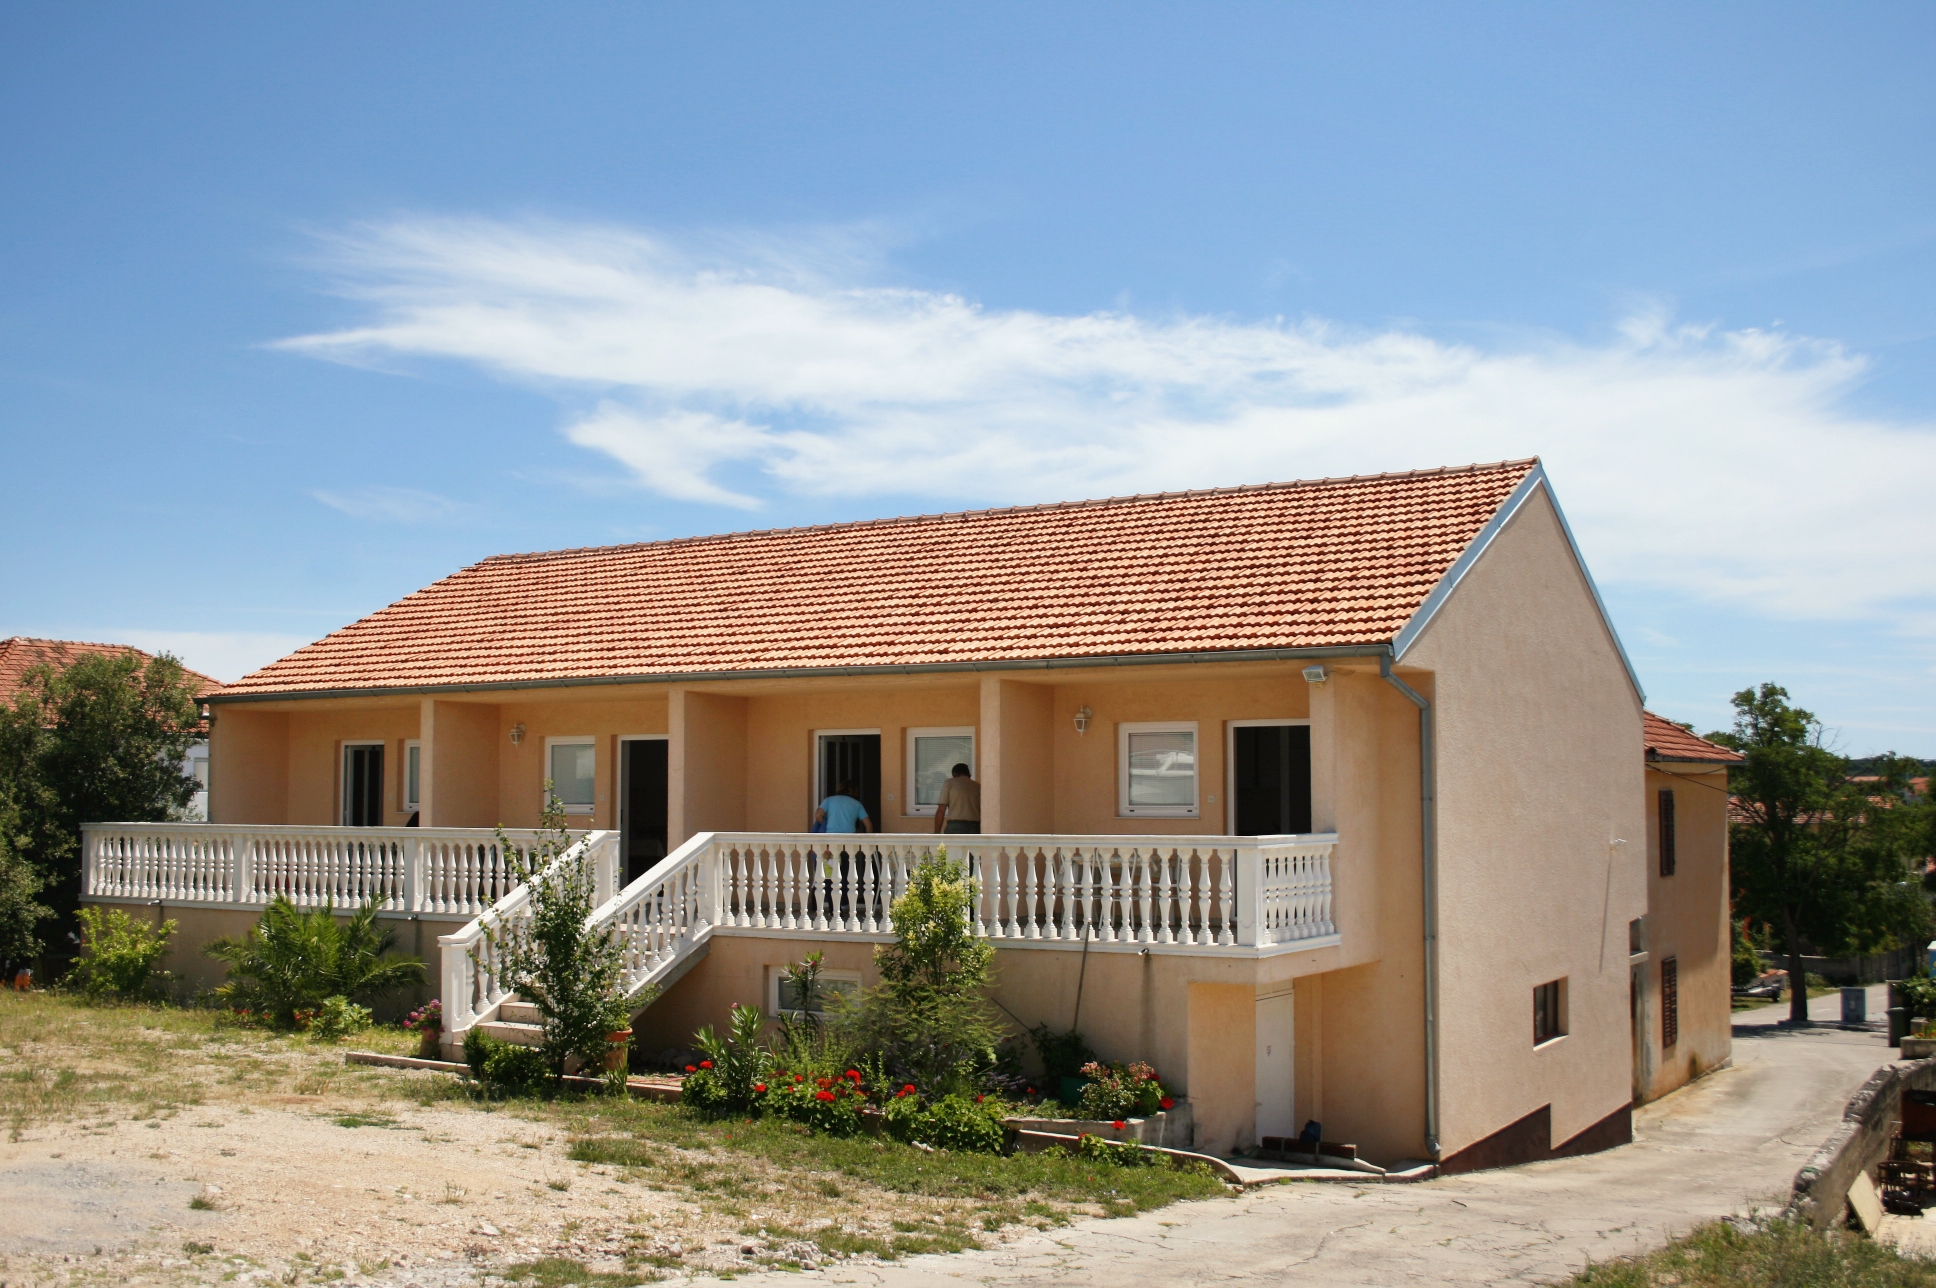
<point x="1549" y="1012"/>
<point x="571" y="765"/>
<point x="783" y="997"/>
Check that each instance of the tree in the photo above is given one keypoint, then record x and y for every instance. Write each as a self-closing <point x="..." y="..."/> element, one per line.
<point x="551" y="959"/>
<point x="929" y="1017"/>
<point x="21" y="911"/>
<point x="1815" y="855"/>
<point x="100" y="740"/>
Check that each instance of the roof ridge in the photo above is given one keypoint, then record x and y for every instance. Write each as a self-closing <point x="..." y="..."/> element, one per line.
<point x="1133" y="498"/>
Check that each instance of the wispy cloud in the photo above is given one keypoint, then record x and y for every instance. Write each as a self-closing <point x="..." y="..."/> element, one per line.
<point x="1725" y="464"/>
<point x="392" y="504"/>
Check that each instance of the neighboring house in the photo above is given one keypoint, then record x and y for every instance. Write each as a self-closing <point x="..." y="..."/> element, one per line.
<point x="1681" y="955"/>
<point x="21" y="653"/>
<point x="1326" y="798"/>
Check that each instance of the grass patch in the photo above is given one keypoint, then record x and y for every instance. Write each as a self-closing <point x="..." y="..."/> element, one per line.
<point x="201" y="1203"/>
<point x="560" y="1272"/>
<point x="1780" y="1254"/>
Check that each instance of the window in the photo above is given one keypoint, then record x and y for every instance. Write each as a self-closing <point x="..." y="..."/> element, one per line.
<point x="1636" y="936"/>
<point x="784" y="999"/>
<point x="1157" y="770"/>
<point x="1549" y="1012"/>
<point x="1667" y="832"/>
<point x="1670" y="1002"/>
<point x="931" y="759"/>
<point x="412" y="776"/>
<point x="572" y="768"/>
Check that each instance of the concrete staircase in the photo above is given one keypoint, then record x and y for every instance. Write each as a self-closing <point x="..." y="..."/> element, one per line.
<point x="516" y="1021"/>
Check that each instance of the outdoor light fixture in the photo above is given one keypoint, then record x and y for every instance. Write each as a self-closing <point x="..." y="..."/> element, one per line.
<point x="1316" y="674"/>
<point x="1082" y="718"/>
<point x="517" y="733"/>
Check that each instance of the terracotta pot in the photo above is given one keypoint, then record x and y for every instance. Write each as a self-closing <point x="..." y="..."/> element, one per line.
<point x="615" y="1054"/>
<point x="430" y="1044"/>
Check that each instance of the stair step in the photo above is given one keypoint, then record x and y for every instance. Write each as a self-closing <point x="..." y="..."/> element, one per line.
<point x="511" y="1031"/>
<point x="519" y="1012"/>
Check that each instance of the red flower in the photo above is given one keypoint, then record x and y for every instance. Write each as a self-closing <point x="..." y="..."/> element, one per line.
<point x="1031" y="1091"/>
<point x="854" y="1074"/>
<point x="1119" y="1124"/>
<point x="825" y="1082"/>
<point x="1167" y="1103"/>
<point x="705" y="1064"/>
<point x="758" y="1086"/>
<point x="692" y="1069"/>
<point x="823" y="1095"/>
<point x="977" y="1099"/>
<point x="908" y="1090"/>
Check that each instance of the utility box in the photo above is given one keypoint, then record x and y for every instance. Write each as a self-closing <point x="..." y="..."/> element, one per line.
<point x="1855" y="1006"/>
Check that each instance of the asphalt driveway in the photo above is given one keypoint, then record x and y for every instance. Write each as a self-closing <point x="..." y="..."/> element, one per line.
<point x="1731" y="1142"/>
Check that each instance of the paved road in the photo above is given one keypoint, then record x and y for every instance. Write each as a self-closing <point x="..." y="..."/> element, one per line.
<point x="1730" y="1142"/>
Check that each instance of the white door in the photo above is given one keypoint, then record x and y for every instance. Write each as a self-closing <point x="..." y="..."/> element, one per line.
<point x="1276" y="1115"/>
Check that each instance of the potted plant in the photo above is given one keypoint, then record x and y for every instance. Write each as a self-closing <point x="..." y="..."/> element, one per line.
<point x="618" y="1039"/>
<point x="427" y="1022"/>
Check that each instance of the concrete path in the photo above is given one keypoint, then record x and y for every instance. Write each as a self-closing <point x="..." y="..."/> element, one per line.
<point x="1729" y="1143"/>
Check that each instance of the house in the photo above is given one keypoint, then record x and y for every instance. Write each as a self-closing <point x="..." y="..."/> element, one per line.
<point x="20" y="654"/>
<point x="1681" y="953"/>
<point x="1328" y="799"/>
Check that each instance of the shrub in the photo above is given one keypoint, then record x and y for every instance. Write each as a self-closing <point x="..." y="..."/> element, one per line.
<point x="1745" y="966"/>
<point x="972" y="1124"/>
<point x="553" y="959"/>
<point x="506" y="1067"/>
<point x="928" y="1018"/>
<point x="1062" y="1054"/>
<point x="825" y="1104"/>
<point x="1121" y="1154"/>
<point x="428" y="1018"/>
<point x="118" y="953"/>
<point x="294" y="960"/>
<point x="337" y="1018"/>
<point x="1919" y="996"/>
<point x="21" y="911"/>
<point x="725" y="1081"/>
<point x="1121" y="1091"/>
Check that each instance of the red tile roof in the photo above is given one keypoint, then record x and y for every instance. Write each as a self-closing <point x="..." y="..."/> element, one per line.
<point x="21" y="653"/>
<point x="1282" y="565"/>
<point x="1668" y="741"/>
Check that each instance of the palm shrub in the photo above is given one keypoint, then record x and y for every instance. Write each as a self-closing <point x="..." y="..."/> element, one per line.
<point x="735" y="1067"/>
<point x="293" y="960"/>
<point x="551" y="958"/>
<point x="929" y="1017"/>
<point x="118" y="953"/>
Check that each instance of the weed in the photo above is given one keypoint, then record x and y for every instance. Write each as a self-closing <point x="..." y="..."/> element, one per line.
<point x="1724" y="1255"/>
<point x="202" y="1203"/>
<point x="194" y="1249"/>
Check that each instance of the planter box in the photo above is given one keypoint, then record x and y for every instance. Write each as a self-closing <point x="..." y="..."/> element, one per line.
<point x="1171" y="1129"/>
<point x="1918" y="1048"/>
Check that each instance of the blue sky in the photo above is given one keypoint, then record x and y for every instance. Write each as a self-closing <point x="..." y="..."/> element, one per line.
<point x="300" y="310"/>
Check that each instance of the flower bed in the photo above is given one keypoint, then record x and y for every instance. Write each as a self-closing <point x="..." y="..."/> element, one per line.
<point x="1172" y="1128"/>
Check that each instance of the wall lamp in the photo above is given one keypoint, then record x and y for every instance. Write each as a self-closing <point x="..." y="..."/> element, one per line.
<point x="1316" y="674"/>
<point x="1083" y="716"/>
<point x="517" y="733"/>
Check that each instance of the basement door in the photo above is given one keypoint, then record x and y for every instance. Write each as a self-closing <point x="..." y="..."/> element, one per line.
<point x="642" y="811"/>
<point x="1276" y="1113"/>
<point x="849" y="756"/>
<point x="1270" y="778"/>
<point x="362" y="784"/>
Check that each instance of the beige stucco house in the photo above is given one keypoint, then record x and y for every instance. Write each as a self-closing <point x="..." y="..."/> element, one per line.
<point x="1330" y="797"/>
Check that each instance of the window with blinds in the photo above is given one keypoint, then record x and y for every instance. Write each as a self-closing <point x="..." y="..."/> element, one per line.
<point x="1667" y="855"/>
<point x="1670" y="1002"/>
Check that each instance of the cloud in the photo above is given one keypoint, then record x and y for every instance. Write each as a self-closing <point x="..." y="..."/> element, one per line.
<point x="1722" y="464"/>
<point x="392" y="504"/>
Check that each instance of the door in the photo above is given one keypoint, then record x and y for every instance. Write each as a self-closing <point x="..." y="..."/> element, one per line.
<point x="850" y="758"/>
<point x="363" y="784"/>
<point x="1637" y="1013"/>
<point x="1271" y="778"/>
<point x="642" y="804"/>
<point x="1276" y="1114"/>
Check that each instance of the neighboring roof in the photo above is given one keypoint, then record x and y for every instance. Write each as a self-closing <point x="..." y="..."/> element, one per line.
<point x="1336" y="563"/>
<point x="1668" y="741"/>
<point x="21" y="653"/>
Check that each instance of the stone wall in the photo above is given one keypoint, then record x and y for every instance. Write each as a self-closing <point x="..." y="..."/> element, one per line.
<point x="1822" y="1186"/>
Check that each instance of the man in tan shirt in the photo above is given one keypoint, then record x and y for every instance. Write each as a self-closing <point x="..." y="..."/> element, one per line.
<point x="960" y="806"/>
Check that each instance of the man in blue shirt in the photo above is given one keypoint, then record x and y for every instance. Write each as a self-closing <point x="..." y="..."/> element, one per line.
<point x="843" y="812"/>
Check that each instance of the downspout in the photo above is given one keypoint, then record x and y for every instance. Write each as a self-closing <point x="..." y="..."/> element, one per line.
<point x="1428" y="863"/>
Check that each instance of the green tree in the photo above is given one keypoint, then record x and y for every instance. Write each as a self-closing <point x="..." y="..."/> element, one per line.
<point x="1815" y="855"/>
<point x="551" y="959"/>
<point x="21" y="910"/>
<point x="100" y="740"/>
<point x="929" y="1016"/>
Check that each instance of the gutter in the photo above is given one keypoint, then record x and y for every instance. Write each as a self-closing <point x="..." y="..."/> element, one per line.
<point x="815" y="672"/>
<point x="1429" y="893"/>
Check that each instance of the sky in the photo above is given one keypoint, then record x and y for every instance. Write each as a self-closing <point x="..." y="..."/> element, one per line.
<point x="302" y="308"/>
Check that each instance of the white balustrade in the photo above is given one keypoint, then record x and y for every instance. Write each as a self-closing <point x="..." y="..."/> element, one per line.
<point x="433" y="871"/>
<point x="1210" y="896"/>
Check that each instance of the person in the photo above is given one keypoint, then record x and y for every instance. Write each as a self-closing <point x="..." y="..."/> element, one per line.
<point x="960" y="807"/>
<point x="843" y="812"/>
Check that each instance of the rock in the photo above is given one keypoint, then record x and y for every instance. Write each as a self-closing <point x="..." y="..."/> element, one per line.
<point x="487" y="1228"/>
